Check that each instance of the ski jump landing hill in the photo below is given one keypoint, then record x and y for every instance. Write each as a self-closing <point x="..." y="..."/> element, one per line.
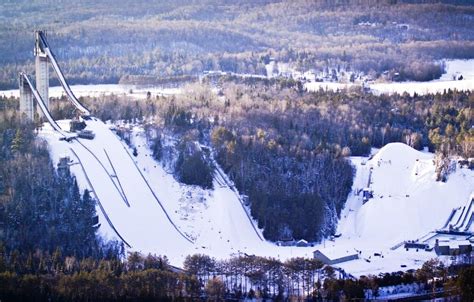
<point x="130" y="207"/>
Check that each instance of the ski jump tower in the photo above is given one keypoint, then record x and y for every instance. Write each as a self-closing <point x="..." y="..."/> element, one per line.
<point x="42" y="82"/>
<point x="43" y="57"/>
<point x="42" y="70"/>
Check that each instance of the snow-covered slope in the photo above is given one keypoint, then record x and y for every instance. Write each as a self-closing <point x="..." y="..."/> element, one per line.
<point x="148" y="208"/>
<point x="407" y="204"/>
<point x="127" y="200"/>
<point x="214" y="219"/>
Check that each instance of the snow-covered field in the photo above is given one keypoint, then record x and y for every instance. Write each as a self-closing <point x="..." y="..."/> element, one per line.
<point x="137" y="92"/>
<point x="407" y="204"/>
<point x="454" y="68"/>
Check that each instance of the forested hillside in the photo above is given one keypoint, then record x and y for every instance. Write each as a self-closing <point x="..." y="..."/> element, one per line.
<point x="109" y="41"/>
<point x="42" y="211"/>
<point x="285" y="148"/>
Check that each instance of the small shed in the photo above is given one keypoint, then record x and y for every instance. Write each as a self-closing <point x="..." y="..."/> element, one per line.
<point x="332" y="256"/>
<point x="442" y="249"/>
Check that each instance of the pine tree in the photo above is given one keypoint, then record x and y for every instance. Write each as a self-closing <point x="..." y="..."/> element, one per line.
<point x="18" y="141"/>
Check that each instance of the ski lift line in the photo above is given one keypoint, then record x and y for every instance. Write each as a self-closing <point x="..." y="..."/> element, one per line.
<point x="118" y="179"/>
<point x="60" y="74"/>
<point x="105" y="169"/>
<point x="156" y="197"/>
<point x="98" y="200"/>
<point x="43" y="107"/>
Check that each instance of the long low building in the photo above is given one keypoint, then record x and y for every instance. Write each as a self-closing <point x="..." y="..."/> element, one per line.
<point x="333" y="256"/>
<point x="453" y="247"/>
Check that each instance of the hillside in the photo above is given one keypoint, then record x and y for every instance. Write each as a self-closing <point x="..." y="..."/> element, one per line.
<point x="407" y="204"/>
<point x="112" y="41"/>
<point x="408" y="201"/>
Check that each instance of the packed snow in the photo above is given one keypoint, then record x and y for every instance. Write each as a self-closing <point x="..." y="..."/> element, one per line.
<point x="407" y="204"/>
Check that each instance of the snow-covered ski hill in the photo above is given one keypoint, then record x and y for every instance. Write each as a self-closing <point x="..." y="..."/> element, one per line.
<point x="153" y="213"/>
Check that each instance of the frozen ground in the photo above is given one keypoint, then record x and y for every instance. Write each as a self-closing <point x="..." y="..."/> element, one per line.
<point x="407" y="204"/>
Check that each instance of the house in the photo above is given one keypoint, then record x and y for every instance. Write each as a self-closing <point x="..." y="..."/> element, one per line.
<point x="327" y="256"/>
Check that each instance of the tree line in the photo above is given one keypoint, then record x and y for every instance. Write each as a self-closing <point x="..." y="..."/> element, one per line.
<point x="53" y="277"/>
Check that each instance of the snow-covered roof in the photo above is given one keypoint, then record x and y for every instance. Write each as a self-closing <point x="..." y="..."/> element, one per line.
<point x="454" y="244"/>
<point x="333" y="253"/>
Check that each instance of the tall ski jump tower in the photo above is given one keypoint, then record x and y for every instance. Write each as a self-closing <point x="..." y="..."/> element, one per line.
<point x="42" y="71"/>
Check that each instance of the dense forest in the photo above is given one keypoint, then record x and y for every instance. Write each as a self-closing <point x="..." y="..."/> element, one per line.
<point x="151" y="41"/>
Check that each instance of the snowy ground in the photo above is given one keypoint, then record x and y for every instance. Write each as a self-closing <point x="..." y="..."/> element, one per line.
<point x="454" y="68"/>
<point x="407" y="204"/>
<point x="132" y="91"/>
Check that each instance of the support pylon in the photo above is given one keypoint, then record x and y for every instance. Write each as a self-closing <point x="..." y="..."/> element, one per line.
<point x="26" y="99"/>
